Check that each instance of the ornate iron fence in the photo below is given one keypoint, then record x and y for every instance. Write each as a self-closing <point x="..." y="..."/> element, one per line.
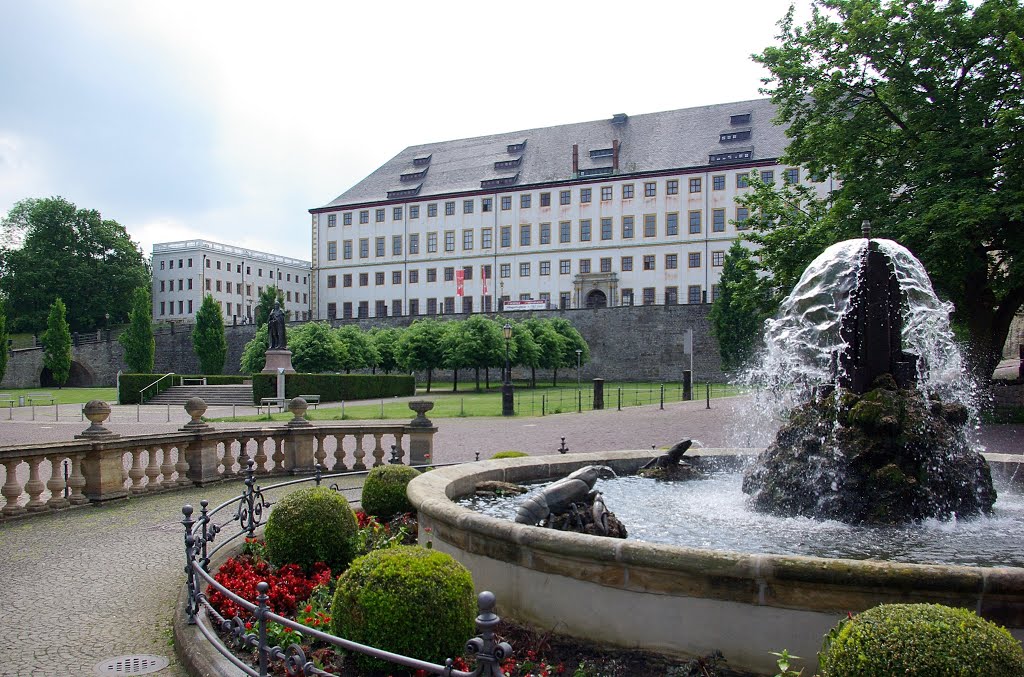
<point x="248" y="512"/>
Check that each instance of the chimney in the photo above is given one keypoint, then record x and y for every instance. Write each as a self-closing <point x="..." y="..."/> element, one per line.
<point x="575" y="158"/>
<point x="615" y="155"/>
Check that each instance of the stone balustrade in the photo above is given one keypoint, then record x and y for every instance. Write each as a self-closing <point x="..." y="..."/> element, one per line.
<point x="101" y="466"/>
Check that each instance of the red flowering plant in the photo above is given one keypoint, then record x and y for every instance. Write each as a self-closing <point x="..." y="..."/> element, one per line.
<point x="372" y="535"/>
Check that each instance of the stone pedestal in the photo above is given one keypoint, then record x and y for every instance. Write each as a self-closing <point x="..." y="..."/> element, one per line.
<point x="279" y="359"/>
<point x="203" y="462"/>
<point x="104" y="478"/>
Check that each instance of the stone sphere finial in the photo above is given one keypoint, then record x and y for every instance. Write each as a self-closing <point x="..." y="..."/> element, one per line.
<point x="97" y="411"/>
<point x="196" y="407"/>
<point x="298" y="407"/>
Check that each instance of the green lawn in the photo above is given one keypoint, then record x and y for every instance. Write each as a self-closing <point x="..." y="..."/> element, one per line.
<point x="529" y="402"/>
<point x="65" y="395"/>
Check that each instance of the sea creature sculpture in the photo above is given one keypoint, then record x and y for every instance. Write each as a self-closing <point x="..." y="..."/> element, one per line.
<point x="599" y="511"/>
<point x="672" y="458"/>
<point x="559" y="496"/>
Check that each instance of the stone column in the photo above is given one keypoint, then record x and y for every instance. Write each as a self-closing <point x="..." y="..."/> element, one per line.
<point x="421" y="434"/>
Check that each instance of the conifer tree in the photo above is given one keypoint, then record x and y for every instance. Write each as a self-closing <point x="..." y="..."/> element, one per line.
<point x="208" y="338"/>
<point x="139" y="344"/>
<point x="57" y="344"/>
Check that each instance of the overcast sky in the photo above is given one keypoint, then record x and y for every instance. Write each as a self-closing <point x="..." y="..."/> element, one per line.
<point x="229" y="120"/>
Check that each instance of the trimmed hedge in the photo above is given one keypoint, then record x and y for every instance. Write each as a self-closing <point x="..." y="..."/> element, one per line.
<point x="132" y="384"/>
<point x="334" y="387"/>
<point x="510" y="454"/>
<point x="920" y="639"/>
<point x="407" y="600"/>
<point x="384" y="491"/>
<point x="312" y="525"/>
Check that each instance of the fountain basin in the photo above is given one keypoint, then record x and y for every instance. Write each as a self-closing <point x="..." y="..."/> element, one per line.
<point x="675" y="600"/>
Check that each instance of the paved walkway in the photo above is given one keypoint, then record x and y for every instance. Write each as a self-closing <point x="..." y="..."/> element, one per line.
<point x="97" y="582"/>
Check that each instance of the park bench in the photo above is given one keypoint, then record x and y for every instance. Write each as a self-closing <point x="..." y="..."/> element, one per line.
<point x="40" y="398"/>
<point x="269" y="402"/>
<point x="7" y="399"/>
<point x="193" y="381"/>
<point x="311" y="399"/>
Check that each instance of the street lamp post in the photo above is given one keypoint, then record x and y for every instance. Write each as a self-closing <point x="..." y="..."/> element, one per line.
<point x="507" y="402"/>
<point x="579" y="387"/>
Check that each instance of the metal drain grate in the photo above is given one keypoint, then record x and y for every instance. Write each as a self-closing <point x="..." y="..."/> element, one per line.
<point x="138" y="664"/>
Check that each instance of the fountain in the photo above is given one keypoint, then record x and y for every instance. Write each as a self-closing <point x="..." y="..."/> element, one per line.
<point x="862" y="357"/>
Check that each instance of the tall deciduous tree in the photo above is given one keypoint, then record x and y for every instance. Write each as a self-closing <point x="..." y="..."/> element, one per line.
<point x="57" y="344"/>
<point x="254" y="354"/>
<point x="572" y="341"/>
<point x="485" y="344"/>
<point x="919" y="108"/>
<point x="549" y="348"/>
<point x="316" y="348"/>
<point x="51" y="249"/>
<point x="208" y="338"/>
<point x="3" y="341"/>
<point x="268" y="297"/>
<point x="419" y="347"/>
<point x="738" y="313"/>
<point x="360" y="353"/>
<point x="138" y="342"/>
<point x="386" y="342"/>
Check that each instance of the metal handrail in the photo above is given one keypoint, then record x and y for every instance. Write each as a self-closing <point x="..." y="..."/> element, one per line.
<point x="142" y="392"/>
<point x="200" y="532"/>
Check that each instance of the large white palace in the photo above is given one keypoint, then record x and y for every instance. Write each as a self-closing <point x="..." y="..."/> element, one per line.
<point x="628" y="210"/>
<point x="184" y="272"/>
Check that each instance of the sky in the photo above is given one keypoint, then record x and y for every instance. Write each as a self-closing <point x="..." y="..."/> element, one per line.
<point x="229" y="120"/>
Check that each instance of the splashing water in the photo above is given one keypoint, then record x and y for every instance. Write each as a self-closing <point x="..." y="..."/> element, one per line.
<point x="803" y="341"/>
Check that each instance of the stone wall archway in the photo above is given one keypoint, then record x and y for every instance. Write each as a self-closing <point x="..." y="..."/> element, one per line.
<point x="80" y="376"/>
<point x="597" y="299"/>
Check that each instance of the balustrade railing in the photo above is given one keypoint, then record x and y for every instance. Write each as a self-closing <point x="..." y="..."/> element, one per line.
<point x="100" y="466"/>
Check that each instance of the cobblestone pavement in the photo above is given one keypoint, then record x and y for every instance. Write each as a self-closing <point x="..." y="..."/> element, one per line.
<point x="92" y="583"/>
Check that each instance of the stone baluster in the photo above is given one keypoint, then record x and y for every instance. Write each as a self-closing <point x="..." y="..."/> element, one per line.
<point x="278" y="456"/>
<point x="166" y="467"/>
<point x="12" y="489"/>
<point x="243" y="453"/>
<point x="339" y="453"/>
<point x="153" y="469"/>
<point x="378" y="449"/>
<point x="136" y="472"/>
<point x="181" y="467"/>
<point x="229" y="455"/>
<point x="319" y="453"/>
<point x="261" y="455"/>
<point x="398" y="446"/>
<point x="56" y="484"/>
<point x="35" y="486"/>
<point x="359" y="453"/>
<point x="77" y="481"/>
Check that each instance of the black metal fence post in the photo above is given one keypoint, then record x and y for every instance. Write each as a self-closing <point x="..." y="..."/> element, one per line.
<point x="662" y="404"/>
<point x="192" y="606"/>
<point x="489" y="653"/>
<point x="707" y="393"/>
<point x="261" y="618"/>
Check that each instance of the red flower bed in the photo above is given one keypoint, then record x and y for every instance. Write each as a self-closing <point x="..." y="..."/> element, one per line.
<point x="288" y="585"/>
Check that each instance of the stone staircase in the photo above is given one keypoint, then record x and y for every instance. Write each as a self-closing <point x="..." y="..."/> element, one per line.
<point x="214" y="396"/>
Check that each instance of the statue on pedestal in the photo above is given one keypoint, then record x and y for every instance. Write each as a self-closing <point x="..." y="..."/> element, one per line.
<point x="275" y="328"/>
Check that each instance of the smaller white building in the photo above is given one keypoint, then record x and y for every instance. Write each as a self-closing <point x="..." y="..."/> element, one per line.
<point x="184" y="271"/>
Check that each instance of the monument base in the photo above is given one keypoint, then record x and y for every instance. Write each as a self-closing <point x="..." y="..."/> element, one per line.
<point x="278" y="359"/>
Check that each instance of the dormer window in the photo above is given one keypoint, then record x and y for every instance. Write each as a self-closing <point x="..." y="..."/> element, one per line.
<point x="738" y="135"/>
<point x="414" y="175"/>
<point x="422" y="160"/>
<point x="404" y="192"/>
<point x="500" y="181"/>
<point x="508" y="164"/>
<point x="740" y="119"/>
<point x="601" y="152"/>
<point x="517" y="147"/>
<point x="729" y="158"/>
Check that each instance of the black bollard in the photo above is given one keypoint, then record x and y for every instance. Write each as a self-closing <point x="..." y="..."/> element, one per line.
<point x="687" y="385"/>
<point x="598" y="394"/>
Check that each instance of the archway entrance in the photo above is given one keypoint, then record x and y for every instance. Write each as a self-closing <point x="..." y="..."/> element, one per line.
<point x="597" y="299"/>
<point x="78" y="377"/>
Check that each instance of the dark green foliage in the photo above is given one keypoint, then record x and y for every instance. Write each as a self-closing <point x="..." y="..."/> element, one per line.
<point x="360" y="353"/>
<point x="311" y="525"/>
<point x="919" y="108"/>
<point x="572" y="341"/>
<point x="510" y="454"/>
<point x="929" y="640"/>
<point x="208" y="338"/>
<point x="57" y="344"/>
<point x="254" y="355"/>
<point x="50" y="248"/>
<point x="335" y="387"/>
<point x="384" y="491"/>
<point x="132" y="384"/>
<point x="138" y="342"/>
<point x="268" y="297"/>
<point x="483" y="343"/>
<point x="3" y="342"/>
<point x="737" y="316"/>
<point x="386" y="343"/>
<point x="407" y="600"/>
<point x="419" y="348"/>
<point x="315" y="348"/>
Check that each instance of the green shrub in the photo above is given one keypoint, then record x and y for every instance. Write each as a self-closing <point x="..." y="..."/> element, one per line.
<point x="384" y="491"/>
<point x="309" y="526"/>
<point x="335" y="387"/>
<point x="510" y="454"/>
<point x="407" y="600"/>
<point x="919" y="639"/>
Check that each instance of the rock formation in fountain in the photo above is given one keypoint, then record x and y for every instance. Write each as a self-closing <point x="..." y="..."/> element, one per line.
<point x="869" y="445"/>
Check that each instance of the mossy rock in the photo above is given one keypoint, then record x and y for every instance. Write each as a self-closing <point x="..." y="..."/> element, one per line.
<point x="311" y="525"/>
<point x="510" y="454"/>
<point x="920" y="639"/>
<point x="384" y="491"/>
<point x="407" y="600"/>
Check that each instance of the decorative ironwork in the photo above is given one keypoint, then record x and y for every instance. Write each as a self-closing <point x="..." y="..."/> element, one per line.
<point x="192" y="585"/>
<point x="396" y="456"/>
<point x="489" y="653"/>
<point x="563" y="449"/>
<point x="252" y="503"/>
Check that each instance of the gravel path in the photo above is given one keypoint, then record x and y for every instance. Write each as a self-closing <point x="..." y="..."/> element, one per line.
<point x="97" y="582"/>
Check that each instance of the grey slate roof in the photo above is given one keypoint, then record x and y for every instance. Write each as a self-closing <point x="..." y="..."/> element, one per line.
<point x="648" y="143"/>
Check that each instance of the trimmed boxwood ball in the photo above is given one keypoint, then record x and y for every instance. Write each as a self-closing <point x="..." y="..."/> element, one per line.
<point x="407" y="600"/>
<point x="510" y="454"/>
<point x="920" y="639"/>
<point x="384" y="491"/>
<point x="311" y="525"/>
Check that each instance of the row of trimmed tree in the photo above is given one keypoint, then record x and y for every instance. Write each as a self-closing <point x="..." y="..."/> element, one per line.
<point x="475" y="343"/>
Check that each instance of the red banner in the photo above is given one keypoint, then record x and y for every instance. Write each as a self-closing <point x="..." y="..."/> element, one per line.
<point x="460" y="282"/>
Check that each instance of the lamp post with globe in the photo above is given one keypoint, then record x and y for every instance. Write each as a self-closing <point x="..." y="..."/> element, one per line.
<point x="507" y="402"/>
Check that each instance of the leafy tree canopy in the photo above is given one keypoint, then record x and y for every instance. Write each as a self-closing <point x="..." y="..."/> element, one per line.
<point x="919" y="108"/>
<point x="386" y="342"/>
<point x="738" y="314"/>
<point x="419" y="348"/>
<point x="360" y="353"/>
<point x="138" y="341"/>
<point x="254" y="355"/>
<point x="208" y="338"/>
<point x="316" y="349"/>
<point x="3" y="341"/>
<point x="51" y="248"/>
<point x="57" y="344"/>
